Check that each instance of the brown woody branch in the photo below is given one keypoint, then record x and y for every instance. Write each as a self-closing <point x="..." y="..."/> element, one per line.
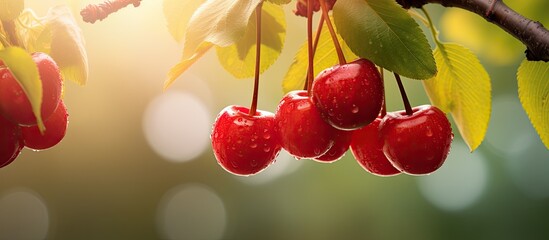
<point x="531" y="33"/>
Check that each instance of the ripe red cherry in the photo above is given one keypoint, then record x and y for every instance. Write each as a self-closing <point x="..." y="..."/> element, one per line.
<point x="56" y="127"/>
<point x="367" y="148"/>
<point x="303" y="132"/>
<point x="14" y="104"/>
<point x="10" y="141"/>
<point x="244" y="144"/>
<point x="417" y="144"/>
<point x="342" y="140"/>
<point x="349" y="96"/>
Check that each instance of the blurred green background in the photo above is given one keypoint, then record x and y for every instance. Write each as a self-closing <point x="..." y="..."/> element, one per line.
<point x="136" y="162"/>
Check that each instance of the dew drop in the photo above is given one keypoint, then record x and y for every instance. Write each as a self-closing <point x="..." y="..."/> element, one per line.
<point x="267" y="149"/>
<point x="233" y="163"/>
<point x="429" y="132"/>
<point x="253" y="145"/>
<point x="355" y="109"/>
<point x="239" y="141"/>
<point x="253" y="163"/>
<point x="266" y="136"/>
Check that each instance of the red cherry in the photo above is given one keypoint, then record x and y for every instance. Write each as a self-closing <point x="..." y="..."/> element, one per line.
<point x="367" y="148"/>
<point x="349" y="96"/>
<point x="303" y="132"/>
<point x="14" y="104"/>
<point x="417" y="144"/>
<point x="244" y="144"/>
<point x="10" y="141"/>
<point x="56" y="127"/>
<point x="342" y="140"/>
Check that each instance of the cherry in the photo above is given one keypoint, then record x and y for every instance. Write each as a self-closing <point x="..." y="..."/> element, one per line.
<point x="244" y="144"/>
<point x="56" y="127"/>
<point x="14" y="104"/>
<point x="417" y="144"/>
<point x="367" y="148"/>
<point x="303" y="132"/>
<point x="342" y="140"/>
<point x="349" y="96"/>
<point x="10" y="141"/>
<point x="301" y="6"/>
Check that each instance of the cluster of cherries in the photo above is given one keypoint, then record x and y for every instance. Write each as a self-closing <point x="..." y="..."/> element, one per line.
<point x="18" y="124"/>
<point x="342" y="111"/>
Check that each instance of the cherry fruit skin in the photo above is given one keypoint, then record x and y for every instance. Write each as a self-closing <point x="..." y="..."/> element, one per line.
<point x="417" y="144"/>
<point x="243" y="144"/>
<point x="303" y="132"/>
<point x="14" y="104"/>
<point x="10" y="141"/>
<point x="56" y="128"/>
<point x="342" y="140"/>
<point x="349" y="96"/>
<point x="367" y="148"/>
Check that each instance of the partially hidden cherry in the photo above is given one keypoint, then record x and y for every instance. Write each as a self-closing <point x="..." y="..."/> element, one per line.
<point x="303" y="132"/>
<point x="10" y="141"/>
<point x="349" y="96"/>
<point x="14" y="104"/>
<point x="417" y="144"/>
<point x="56" y="128"/>
<point x="367" y="148"/>
<point x="342" y="140"/>
<point x="244" y="144"/>
<point x="301" y="6"/>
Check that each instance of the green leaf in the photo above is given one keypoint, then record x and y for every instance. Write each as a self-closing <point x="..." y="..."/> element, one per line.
<point x="178" y="13"/>
<point x="383" y="32"/>
<point x="10" y="9"/>
<point x="24" y="69"/>
<point x="58" y="35"/>
<point x="325" y="57"/>
<point x="533" y="89"/>
<point x="184" y="64"/>
<point x="221" y="22"/>
<point x="239" y="58"/>
<point x="462" y="87"/>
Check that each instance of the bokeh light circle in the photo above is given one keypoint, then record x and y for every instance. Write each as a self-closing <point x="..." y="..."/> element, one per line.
<point x="177" y="126"/>
<point x="459" y="183"/>
<point x="191" y="212"/>
<point x="23" y="215"/>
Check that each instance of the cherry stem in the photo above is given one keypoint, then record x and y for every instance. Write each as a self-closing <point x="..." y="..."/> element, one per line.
<point x="325" y="10"/>
<point x="315" y="44"/>
<point x="100" y="11"/>
<point x="407" y="105"/>
<point x="9" y="28"/>
<point x="310" y="70"/>
<point x="253" y="108"/>
<point x="384" y="104"/>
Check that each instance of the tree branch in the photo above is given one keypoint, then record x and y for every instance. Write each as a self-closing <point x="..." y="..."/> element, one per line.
<point x="531" y="33"/>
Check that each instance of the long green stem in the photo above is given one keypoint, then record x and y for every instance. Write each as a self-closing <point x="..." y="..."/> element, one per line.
<point x="432" y="27"/>
<point x="253" y="108"/>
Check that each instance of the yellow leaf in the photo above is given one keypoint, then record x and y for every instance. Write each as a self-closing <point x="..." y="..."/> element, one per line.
<point x="178" y="14"/>
<point x="58" y="35"/>
<point x="325" y="57"/>
<point x="24" y="69"/>
<point x="239" y="58"/>
<point x="462" y="87"/>
<point x="481" y="36"/>
<point x="10" y="9"/>
<point x="182" y="66"/>
<point x="221" y="22"/>
<point x="533" y="88"/>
